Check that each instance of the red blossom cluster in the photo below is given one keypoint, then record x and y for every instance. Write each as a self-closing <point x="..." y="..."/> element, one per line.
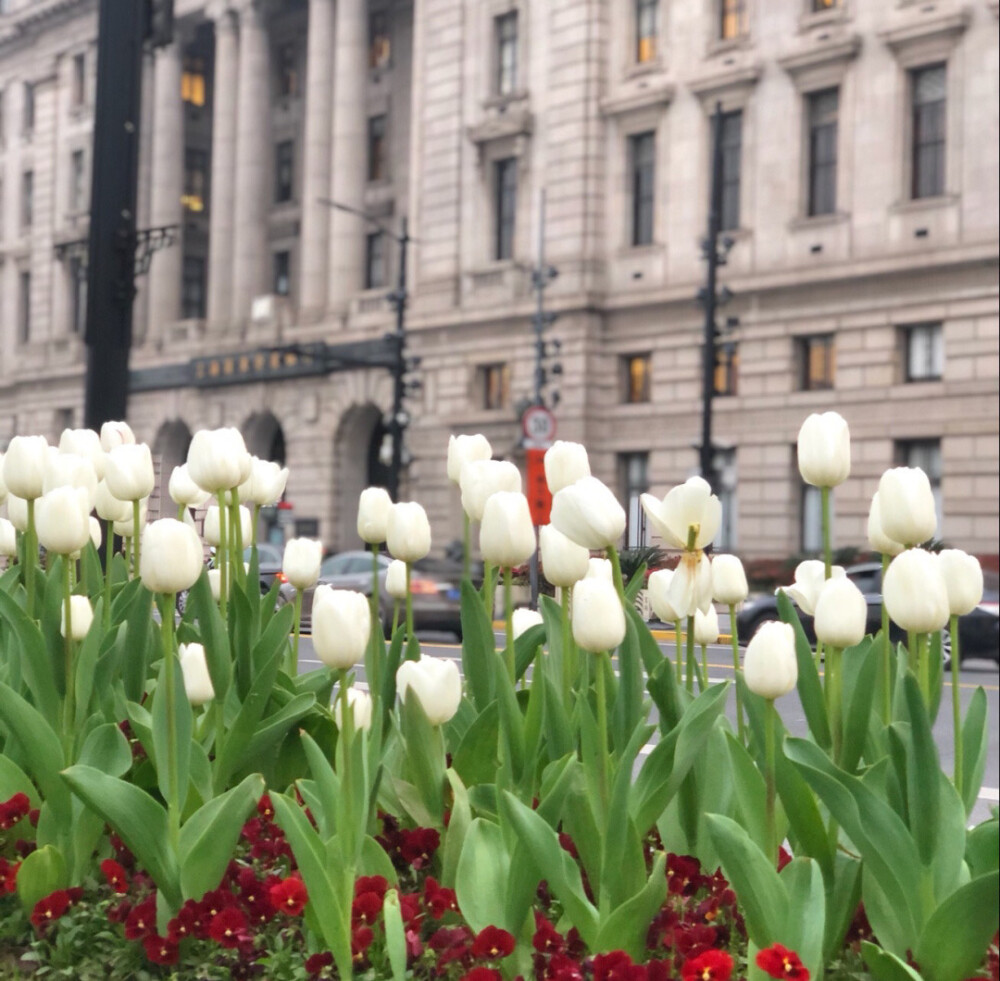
<point x="11" y="811"/>
<point x="50" y="908"/>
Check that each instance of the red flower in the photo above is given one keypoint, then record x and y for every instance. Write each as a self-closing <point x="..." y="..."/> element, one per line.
<point x="409" y="907"/>
<point x="318" y="962"/>
<point x="439" y="898"/>
<point x="161" y="950"/>
<point x="264" y="808"/>
<point x="289" y="895"/>
<point x="683" y="874"/>
<point x="492" y="943"/>
<point x="361" y="940"/>
<point x="418" y="846"/>
<point x="228" y="926"/>
<point x="547" y="939"/>
<point x="482" y="974"/>
<point x="12" y="810"/>
<point x="366" y="908"/>
<point x="563" y="968"/>
<point x="371" y="883"/>
<point x="141" y="922"/>
<point x="8" y="875"/>
<point x="617" y="966"/>
<point x="115" y="874"/>
<point x="713" y="965"/>
<point x="780" y="962"/>
<point x="784" y="857"/>
<point x="49" y="908"/>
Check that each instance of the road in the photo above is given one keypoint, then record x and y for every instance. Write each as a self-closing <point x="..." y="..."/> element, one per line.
<point x="974" y="674"/>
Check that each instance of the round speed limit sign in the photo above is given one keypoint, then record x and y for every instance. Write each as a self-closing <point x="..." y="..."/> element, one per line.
<point x="538" y="425"/>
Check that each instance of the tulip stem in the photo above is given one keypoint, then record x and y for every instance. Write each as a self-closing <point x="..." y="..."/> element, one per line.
<point x="679" y="645"/>
<point x="568" y="653"/>
<point x="374" y="665"/>
<point x="740" y="725"/>
<point x="956" y="707"/>
<point x="30" y="557"/>
<point x="409" y="603"/>
<point x="109" y="554"/>
<point x="222" y="554"/>
<point x="886" y="653"/>
<point x="69" y="706"/>
<point x="769" y="755"/>
<point x="294" y="666"/>
<point x="602" y="735"/>
<point x="181" y="508"/>
<point x="508" y="605"/>
<point x="616" y="572"/>
<point x="824" y="496"/>
<point x="237" y="536"/>
<point x="692" y="661"/>
<point x="703" y="681"/>
<point x="466" y="544"/>
<point x="488" y="586"/>
<point x="136" y="538"/>
<point x="253" y="526"/>
<point x="167" y="603"/>
<point x="834" y="692"/>
<point x="395" y="617"/>
<point x="344" y="740"/>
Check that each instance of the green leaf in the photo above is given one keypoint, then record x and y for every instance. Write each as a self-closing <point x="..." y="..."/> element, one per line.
<point x="273" y="729"/>
<point x="140" y="637"/>
<point x="860" y="671"/>
<point x="13" y="780"/>
<point x="626" y="712"/>
<point x="526" y="647"/>
<point x="477" y="756"/>
<point x="180" y="738"/>
<point x="662" y="686"/>
<point x="751" y="792"/>
<point x="886" y="966"/>
<point x="481" y="879"/>
<point x="982" y="847"/>
<point x="35" y="663"/>
<point x="809" y="686"/>
<point x="425" y="759"/>
<point x="843" y="894"/>
<point x="107" y="749"/>
<point x="649" y="649"/>
<point x="628" y="924"/>
<point x="803" y="883"/>
<point x="395" y="935"/>
<point x="214" y="638"/>
<point x="458" y="828"/>
<point x="975" y="749"/>
<point x="39" y="875"/>
<point x="923" y="770"/>
<point x="478" y="647"/>
<point x="512" y="738"/>
<point x="95" y="646"/>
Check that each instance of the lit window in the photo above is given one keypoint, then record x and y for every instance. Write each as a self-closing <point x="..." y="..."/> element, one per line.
<point x="377" y="157"/>
<point x="731" y="137"/>
<point x="647" y="29"/>
<point x="78" y="294"/>
<point x="284" y="171"/>
<point x="642" y="158"/>
<point x="727" y="362"/>
<point x="79" y="79"/>
<point x="928" y="131"/>
<point x="818" y="6"/>
<point x="732" y="19"/>
<point x="818" y="362"/>
<point x="924" y="352"/>
<point x="288" y="71"/>
<point x="24" y="306"/>
<point x="823" y="112"/>
<point x="193" y="82"/>
<point x="283" y="273"/>
<point x="77" y="188"/>
<point x="494" y="385"/>
<point x="195" y="180"/>
<point x="505" y="207"/>
<point x="506" y="53"/>
<point x="925" y="454"/>
<point x="375" y="260"/>
<point x="193" y="288"/>
<point x="635" y="371"/>
<point x="633" y="470"/>
<point x="379" y="43"/>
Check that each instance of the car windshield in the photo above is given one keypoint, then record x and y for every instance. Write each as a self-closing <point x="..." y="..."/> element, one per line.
<point x="267" y="554"/>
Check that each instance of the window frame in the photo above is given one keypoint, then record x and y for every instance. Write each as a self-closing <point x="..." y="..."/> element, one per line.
<point x="77" y="296"/>
<point x="636" y="532"/>
<point x="733" y="20"/>
<point x="77" y="180"/>
<point x="642" y="181"/>
<point x="196" y="311"/>
<point x="731" y="202"/>
<point x="506" y="38"/>
<point x="636" y="390"/>
<point x="493" y="385"/>
<point x="281" y="267"/>
<point x="27" y="199"/>
<point x="194" y="84"/>
<point x="28" y="109"/>
<point x="928" y="158"/>
<point x="376" y="259"/>
<point x="379" y="42"/>
<point x="935" y="330"/>
<point x="24" y="306"/>
<point x="726" y="371"/>
<point x="195" y="199"/>
<point x="822" y="163"/>
<point x="289" y="78"/>
<point x="79" y="79"/>
<point x="377" y="165"/>
<point x="807" y="345"/>
<point x="284" y="157"/>
<point x="647" y="15"/>
<point x="505" y="189"/>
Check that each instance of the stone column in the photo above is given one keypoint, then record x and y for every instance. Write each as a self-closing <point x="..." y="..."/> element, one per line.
<point x="254" y="150"/>
<point x="316" y="162"/>
<point x="350" y="150"/>
<point x="220" y="236"/>
<point x="167" y="187"/>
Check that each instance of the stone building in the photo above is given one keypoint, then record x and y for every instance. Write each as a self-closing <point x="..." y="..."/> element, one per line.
<point x="860" y="205"/>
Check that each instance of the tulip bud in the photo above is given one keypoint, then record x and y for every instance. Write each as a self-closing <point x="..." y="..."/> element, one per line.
<point x="109" y="507"/>
<point x="85" y="443"/>
<point x="218" y="459"/>
<point x="212" y="529"/>
<point x="809" y="579"/>
<point x="914" y="591"/>
<point x="598" y="568"/>
<point x="588" y="513"/>
<point x="17" y="511"/>
<point x="824" y="450"/>
<point x="598" y="617"/>
<point x="215" y="583"/>
<point x="184" y="491"/>
<point x="70" y="470"/>
<point x="172" y="557"/>
<point x="24" y="466"/>
<point x="690" y="586"/>
<point x="81" y="617"/>
<point x="690" y="509"/>
<point x="706" y="627"/>
<point x="963" y="578"/>
<point x="906" y="505"/>
<point x="395" y="579"/>
<point x="360" y="704"/>
<point x="62" y="519"/>
<point x="197" y="681"/>
<point x="436" y="684"/>
<point x="128" y="471"/>
<point x="481" y="478"/>
<point x="563" y="561"/>
<point x="841" y="618"/>
<point x="877" y="538"/>
<point x="565" y="464"/>
<point x="373" y="514"/>
<point x="507" y="535"/>
<point x="729" y="580"/>
<point x="658" y="590"/>
<point x="466" y="449"/>
<point x="266" y="482"/>
<point x="408" y="532"/>
<point x="125" y="527"/>
<point x="525" y="619"/>
<point x="770" y="668"/>
<point x="341" y="626"/>
<point x="8" y="538"/>
<point x="96" y="532"/>
<point x="116" y="434"/>
<point x="301" y="562"/>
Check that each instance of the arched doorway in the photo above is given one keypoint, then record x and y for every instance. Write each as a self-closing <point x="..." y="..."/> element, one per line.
<point x="360" y="462"/>
<point x="170" y="449"/>
<point x="266" y="439"/>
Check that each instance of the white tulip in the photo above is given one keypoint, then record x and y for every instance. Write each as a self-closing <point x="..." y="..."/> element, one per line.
<point x="658" y="590"/>
<point x="878" y="540"/>
<point x="465" y="449"/>
<point x="598" y="568"/>
<point x="8" y="538"/>
<point x="690" y="587"/>
<point x="436" y="684"/>
<point x="565" y="464"/>
<point x="809" y="578"/>
<point x="507" y="535"/>
<point x="563" y="561"/>
<point x="128" y="471"/>
<point x="62" y="520"/>
<point x="215" y="583"/>
<point x="85" y="443"/>
<point x="81" y="616"/>
<point x="24" y="466"/>
<point x="688" y="511"/>
<point x="212" y="531"/>
<point x="373" y="515"/>
<point x="125" y="527"/>
<point x="341" y="627"/>
<point x="963" y="578"/>
<point x="116" y="434"/>
<point x="395" y="579"/>
<point x="906" y="505"/>
<point x="70" y="470"/>
<point x="706" y="626"/>
<point x="770" y="668"/>
<point x="96" y="532"/>
<point x="824" y="450"/>
<point x="266" y="483"/>
<point x="598" y="617"/>
<point x="481" y="478"/>
<point x="218" y="459"/>
<point x="360" y="704"/>
<point x="841" y="618"/>
<point x="408" y="532"/>
<point x="183" y="490"/>
<point x="172" y="557"/>
<point x="914" y="591"/>
<point x="197" y="681"/>
<point x="3" y="487"/>
<point x="588" y="513"/>
<point x="301" y="562"/>
<point x="729" y="580"/>
<point x="17" y="511"/>
<point x="108" y="507"/>
<point x="524" y="619"/>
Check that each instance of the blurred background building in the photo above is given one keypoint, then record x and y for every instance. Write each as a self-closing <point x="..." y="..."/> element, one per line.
<point x="860" y="206"/>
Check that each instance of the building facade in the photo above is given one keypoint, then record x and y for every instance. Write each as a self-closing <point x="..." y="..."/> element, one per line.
<point x="860" y="171"/>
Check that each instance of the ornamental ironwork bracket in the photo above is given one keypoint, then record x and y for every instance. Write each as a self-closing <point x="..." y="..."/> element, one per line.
<point x="148" y="241"/>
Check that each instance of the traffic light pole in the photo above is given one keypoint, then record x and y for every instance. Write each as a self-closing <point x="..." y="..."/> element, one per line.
<point x="398" y="298"/>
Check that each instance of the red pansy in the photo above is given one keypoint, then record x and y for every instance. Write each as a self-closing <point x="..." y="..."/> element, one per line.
<point x="617" y="966"/>
<point x="547" y="939"/>
<point x="366" y="907"/>
<point x="712" y="965"/>
<point x="317" y="963"/>
<point x="492" y="943"/>
<point x="417" y="846"/>
<point x="141" y="921"/>
<point x="482" y="974"/>
<point x="12" y="810"/>
<point x="161" y="950"/>
<point x="439" y="898"/>
<point x="116" y="875"/>
<point x="371" y="883"/>
<point x="228" y="926"/>
<point x="780" y="962"/>
<point x="49" y="908"/>
<point x="361" y="940"/>
<point x="289" y="895"/>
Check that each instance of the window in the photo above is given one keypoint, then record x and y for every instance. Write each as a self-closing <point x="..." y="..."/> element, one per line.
<point x="283" y="273"/>
<point x="732" y="19"/>
<point x="27" y="199"/>
<point x="494" y="385"/>
<point x="28" y="121"/>
<point x="379" y="43"/>
<point x="635" y="372"/>
<point x="193" y="82"/>
<point x="375" y="260"/>
<point x="284" y="170"/>
<point x="642" y="161"/>
<point x="24" y="306"/>
<point x="193" y="288"/>
<point x="818" y="358"/>
<point x="506" y="53"/>
<point x="731" y="138"/>
<point x="79" y="79"/>
<point x="811" y="532"/>
<point x="377" y="170"/>
<point x="725" y="472"/>
<point x="823" y="110"/>
<point x="928" y="136"/>
<point x="77" y="185"/>
<point x="505" y="207"/>
<point x="78" y="295"/>
<point x="926" y="454"/>
<point x="818" y="6"/>
<point x="633" y="471"/>
<point x="924" y="352"/>
<point x="195" y="180"/>
<point x="727" y="362"/>
<point x="647" y="29"/>
<point x="288" y="70"/>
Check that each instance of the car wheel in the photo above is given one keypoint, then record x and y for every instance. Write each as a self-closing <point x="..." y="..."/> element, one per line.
<point x="946" y="648"/>
<point x="181" y="602"/>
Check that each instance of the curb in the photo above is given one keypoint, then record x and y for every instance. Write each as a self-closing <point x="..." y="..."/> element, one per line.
<point x="657" y="634"/>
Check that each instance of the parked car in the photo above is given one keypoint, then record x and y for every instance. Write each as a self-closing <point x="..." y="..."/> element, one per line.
<point x="979" y="632"/>
<point x="434" y="586"/>
<point x="269" y="558"/>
